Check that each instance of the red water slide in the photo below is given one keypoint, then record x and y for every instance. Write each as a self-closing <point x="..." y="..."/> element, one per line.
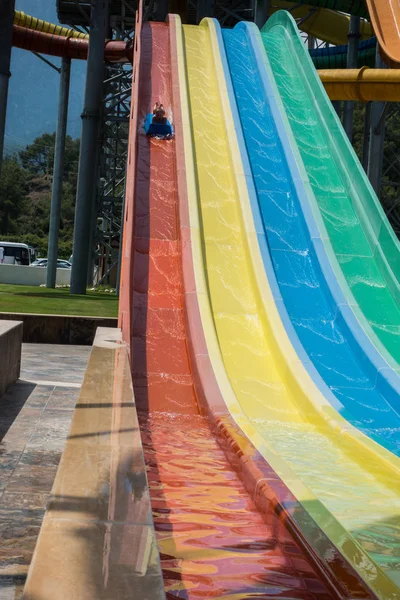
<point x="213" y="542"/>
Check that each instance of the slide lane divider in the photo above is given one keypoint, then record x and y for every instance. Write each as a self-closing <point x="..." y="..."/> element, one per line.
<point x="241" y="442"/>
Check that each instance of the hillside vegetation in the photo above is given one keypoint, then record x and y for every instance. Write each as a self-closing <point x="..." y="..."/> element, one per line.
<point x="25" y="195"/>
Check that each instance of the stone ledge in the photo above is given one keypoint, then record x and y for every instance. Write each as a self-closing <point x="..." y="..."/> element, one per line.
<point x="59" y="329"/>
<point x="97" y="539"/>
<point x="10" y="353"/>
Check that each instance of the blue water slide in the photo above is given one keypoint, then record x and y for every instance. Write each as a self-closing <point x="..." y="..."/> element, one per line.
<point x="364" y="45"/>
<point x="323" y="329"/>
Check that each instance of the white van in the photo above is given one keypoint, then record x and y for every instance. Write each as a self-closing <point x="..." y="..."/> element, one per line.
<point x="14" y="253"/>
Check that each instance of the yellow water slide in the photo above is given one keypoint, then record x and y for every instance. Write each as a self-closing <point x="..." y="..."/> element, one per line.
<point x="352" y="493"/>
<point x="322" y="23"/>
<point x="23" y="20"/>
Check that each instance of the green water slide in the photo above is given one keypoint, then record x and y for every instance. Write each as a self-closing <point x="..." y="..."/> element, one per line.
<point x="358" y="237"/>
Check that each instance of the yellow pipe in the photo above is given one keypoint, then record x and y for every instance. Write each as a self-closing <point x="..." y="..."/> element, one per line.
<point x="362" y="84"/>
<point x="23" y="20"/>
<point x="323" y="23"/>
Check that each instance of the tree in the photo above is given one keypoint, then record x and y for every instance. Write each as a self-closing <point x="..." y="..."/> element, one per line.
<point x="13" y="194"/>
<point x="38" y="157"/>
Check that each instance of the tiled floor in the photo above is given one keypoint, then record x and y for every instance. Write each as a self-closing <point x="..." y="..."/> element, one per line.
<point x="35" y="417"/>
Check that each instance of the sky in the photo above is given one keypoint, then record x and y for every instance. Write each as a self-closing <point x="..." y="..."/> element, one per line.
<point x="33" y="89"/>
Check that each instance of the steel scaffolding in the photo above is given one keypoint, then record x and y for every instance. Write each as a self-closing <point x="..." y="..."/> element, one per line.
<point x="106" y="222"/>
<point x="110" y="192"/>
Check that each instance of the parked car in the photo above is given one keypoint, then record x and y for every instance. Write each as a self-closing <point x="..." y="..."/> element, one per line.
<point x="61" y="264"/>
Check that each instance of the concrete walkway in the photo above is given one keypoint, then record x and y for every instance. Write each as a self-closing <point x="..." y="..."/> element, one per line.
<point x="35" y="417"/>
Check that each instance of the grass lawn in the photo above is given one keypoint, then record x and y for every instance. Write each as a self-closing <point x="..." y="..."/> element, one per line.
<point x="32" y="299"/>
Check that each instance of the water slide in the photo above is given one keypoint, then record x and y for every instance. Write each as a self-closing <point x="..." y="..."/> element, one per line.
<point x="323" y="19"/>
<point x="208" y="335"/>
<point x="205" y="334"/>
<point x="35" y="34"/>
<point x="335" y="57"/>
<point x="384" y="16"/>
<point x="319" y="20"/>
<point x="364" y="245"/>
<point x="319" y="312"/>
<point x="212" y="541"/>
<point x="21" y="19"/>
<point x="321" y="23"/>
<point x="385" y="19"/>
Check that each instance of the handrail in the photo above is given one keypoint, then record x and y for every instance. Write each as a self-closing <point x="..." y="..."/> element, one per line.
<point x="126" y="295"/>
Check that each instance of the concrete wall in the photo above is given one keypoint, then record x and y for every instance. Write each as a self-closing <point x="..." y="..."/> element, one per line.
<point x="10" y="353"/>
<point x="31" y="275"/>
<point x="59" y="329"/>
<point x="69" y="557"/>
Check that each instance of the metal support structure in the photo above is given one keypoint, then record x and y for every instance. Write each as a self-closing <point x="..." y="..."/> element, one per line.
<point x="337" y="105"/>
<point x="205" y="8"/>
<point x="6" y="28"/>
<point x="367" y="126"/>
<point x="160" y="10"/>
<point x="261" y="10"/>
<point x="376" y="136"/>
<point x="117" y="87"/>
<point x="90" y="129"/>
<point x="95" y="208"/>
<point x="352" y="54"/>
<point x="48" y="62"/>
<point x="56" y="196"/>
<point x="108" y="160"/>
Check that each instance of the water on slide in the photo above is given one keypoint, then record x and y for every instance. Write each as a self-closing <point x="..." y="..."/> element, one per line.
<point x="301" y="283"/>
<point x="359" y="262"/>
<point x="212" y="541"/>
<point x="366" y="506"/>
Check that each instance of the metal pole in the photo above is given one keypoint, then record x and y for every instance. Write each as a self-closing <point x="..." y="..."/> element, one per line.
<point x="95" y="201"/>
<point x="160" y="10"/>
<point x="90" y="126"/>
<point x="6" y="29"/>
<point x="367" y="126"/>
<point x="376" y="136"/>
<point x="93" y="228"/>
<point x="205" y="8"/>
<point x="311" y="42"/>
<point x="55" y="211"/>
<point x="337" y="106"/>
<point x="261" y="12"/>
<point x="352" y="56"/>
